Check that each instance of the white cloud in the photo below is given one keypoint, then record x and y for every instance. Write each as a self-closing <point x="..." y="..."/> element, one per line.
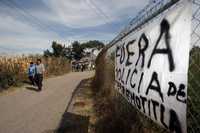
<point x="89" y="13"/>
<point x="16" y="34"/>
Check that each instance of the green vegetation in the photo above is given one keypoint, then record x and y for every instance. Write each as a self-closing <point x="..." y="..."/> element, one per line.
<point x="58" y="50"/>
<point x="75" y="50"/>
<point x="92" y="44"/>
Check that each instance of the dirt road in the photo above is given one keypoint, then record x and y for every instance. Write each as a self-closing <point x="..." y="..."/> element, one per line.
<point x="29" y="111"/>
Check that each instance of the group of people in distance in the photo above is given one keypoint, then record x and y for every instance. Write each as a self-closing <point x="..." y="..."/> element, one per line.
<point x="36" y="73"/>
<point x="80" y="66"/>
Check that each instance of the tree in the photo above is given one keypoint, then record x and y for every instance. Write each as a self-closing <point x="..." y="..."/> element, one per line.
<point x="47" y="53"/>
<point x="77" y="50"/>
<point x="58" y="49"/>
<point x="93" y="44"/>
<point x="68" y="53"/>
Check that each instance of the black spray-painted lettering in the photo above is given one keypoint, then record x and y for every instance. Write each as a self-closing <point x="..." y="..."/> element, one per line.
<point x="181" y="94"/>
<point x="155" y="104"/>
<point x="117" y="52"/>
<point x="122" y="55"/>
<point x="174" y="123"/>
<point x="164" y="30"/>
<point x="162" y="112"/>
<point x="172" y="89"/>
<point x="149" y="106"/>
<point x="153" y="87"/>
<point x="138" y="102"/>
<point x="143" y="99"/>
<point x="131" y="79"/>
<point x="142" y="49"/>
<point x="129" y="53"/>
<point x="141" y="77"/>
<point x="128" y="77"/>
<point x="133" y="98"/>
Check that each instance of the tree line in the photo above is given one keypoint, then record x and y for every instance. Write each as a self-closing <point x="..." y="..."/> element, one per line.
<point x="74" y="51"/>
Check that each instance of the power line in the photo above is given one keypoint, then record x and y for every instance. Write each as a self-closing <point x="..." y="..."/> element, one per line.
<point x="97" y="10"/>
<point x="22" y="14"/>
<point x="34" y="21"/>
<point x="33" y="18"/>
<point x="28" y="16"/>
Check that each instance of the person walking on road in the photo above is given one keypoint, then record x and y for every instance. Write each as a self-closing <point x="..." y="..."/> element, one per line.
<point x="31" y="73"/>
<point x="39" y="74"/>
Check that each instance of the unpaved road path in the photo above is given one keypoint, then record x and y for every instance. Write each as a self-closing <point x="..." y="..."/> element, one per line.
<point x="29" y="111"/>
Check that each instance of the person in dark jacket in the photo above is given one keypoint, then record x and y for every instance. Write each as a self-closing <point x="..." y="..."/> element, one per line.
<point x="39" y="73"/>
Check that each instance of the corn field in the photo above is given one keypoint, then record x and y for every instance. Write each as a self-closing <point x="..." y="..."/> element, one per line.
<point x="13" y="70"/>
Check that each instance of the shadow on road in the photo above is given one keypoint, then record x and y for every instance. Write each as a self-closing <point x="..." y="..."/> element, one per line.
<point x="31" y="88"/>
<point x="73" y="123"/>
<point x="26" y="82"/>
<point x="70" y="122"/>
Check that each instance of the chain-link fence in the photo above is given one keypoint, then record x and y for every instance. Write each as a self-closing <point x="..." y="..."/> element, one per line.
<point x="145" y="16"/>
<point x="193" y="113"/>
<point x="149" y="12"/>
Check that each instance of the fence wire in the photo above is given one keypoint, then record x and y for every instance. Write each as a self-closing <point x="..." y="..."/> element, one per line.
<point x="148" y="13"/>
<point x="144" y="16"/>
<point x="193" y="111"/>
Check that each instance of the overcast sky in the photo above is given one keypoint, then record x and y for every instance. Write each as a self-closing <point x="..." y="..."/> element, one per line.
<point x="29" y="26"/>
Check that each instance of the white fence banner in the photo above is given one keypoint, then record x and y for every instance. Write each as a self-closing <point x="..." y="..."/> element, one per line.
<point x="152" y="66"/>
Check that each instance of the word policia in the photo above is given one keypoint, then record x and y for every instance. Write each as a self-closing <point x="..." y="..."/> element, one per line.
<point x="128" y="70"/>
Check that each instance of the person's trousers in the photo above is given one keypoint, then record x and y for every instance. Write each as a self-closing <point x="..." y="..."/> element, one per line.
<point x="31" y="78"/>
<point x="38" y="80"/>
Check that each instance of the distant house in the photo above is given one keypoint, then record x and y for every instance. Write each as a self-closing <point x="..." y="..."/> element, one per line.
<point x="91" y="52"/>
<point x="88" y="61"/>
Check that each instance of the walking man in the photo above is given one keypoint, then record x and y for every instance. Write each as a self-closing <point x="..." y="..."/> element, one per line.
<point x="39" y="74"/>
<point x="31" y="73"/>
